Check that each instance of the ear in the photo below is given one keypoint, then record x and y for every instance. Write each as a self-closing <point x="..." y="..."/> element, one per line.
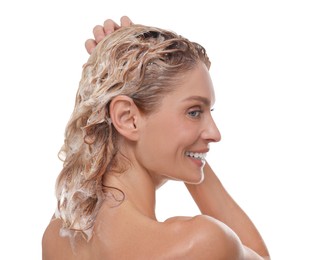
<point x="124" y="115"/>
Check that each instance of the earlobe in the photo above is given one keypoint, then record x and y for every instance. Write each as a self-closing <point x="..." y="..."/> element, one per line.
<point x="124" y="115"/>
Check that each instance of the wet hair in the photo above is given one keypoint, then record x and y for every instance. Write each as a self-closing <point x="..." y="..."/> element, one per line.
<point x="141" y="62"/>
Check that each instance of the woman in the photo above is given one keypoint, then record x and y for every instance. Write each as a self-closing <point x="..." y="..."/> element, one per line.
<point x="143" y="116"/>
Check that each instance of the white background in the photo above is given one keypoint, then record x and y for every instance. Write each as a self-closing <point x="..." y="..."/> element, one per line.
<point x="262" y="68"/>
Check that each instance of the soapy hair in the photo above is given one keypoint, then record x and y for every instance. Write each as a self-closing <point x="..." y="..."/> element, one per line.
<point x="144" y="63"/>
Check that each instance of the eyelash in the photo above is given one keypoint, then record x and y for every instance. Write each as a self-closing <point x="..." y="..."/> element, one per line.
<point x="198" y="111"/>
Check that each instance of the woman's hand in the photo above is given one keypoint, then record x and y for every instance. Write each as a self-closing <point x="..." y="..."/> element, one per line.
<point x="100" y="32"/>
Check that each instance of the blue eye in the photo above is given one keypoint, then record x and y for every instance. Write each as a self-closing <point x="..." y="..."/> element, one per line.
<point x="195" y="113"/>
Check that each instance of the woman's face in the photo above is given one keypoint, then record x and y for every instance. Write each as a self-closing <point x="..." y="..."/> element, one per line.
<point x="174" y="142"/>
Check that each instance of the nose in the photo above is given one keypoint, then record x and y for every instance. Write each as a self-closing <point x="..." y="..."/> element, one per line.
<point x="210" y="131"/>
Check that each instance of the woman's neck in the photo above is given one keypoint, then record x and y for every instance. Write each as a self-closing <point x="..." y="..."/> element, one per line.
<point x="138" y="187"/>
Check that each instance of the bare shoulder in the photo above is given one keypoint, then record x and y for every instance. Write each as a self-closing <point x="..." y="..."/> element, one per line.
<point x="199" y="237"/>
<point x="141" y="237"/>
<point x="203" y="237"/>
<point x="50" y="239"/>
<point x="54" y="246"/>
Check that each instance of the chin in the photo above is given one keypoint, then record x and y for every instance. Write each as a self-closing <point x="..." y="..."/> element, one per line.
<point x="196" y="180"/>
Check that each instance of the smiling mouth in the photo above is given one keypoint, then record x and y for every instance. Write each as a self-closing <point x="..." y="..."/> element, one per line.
<point x="198" y="156"/>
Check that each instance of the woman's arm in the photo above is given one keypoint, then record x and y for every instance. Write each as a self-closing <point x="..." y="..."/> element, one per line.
<point x="213" y="200"/>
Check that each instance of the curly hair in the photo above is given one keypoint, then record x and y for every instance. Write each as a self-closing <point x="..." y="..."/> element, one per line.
<point x="141" y="62"/>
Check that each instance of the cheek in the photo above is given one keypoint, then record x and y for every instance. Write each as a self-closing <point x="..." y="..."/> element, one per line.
<point x="167" y="137"/>
<point x="170" y="142"/>
<point x="159" y="140"/>
<point x="174" y="134"/>
<point x="157" y="146"/>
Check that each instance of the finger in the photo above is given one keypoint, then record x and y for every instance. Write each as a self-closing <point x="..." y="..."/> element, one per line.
<point x="125" y="21"/>
<point x="110" y="26"/>
<point x="90" y="45"/>
<point x="99" y="33"/>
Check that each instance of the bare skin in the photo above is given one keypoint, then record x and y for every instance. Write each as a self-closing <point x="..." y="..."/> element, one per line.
<point x="130" y="230"/>
<point x="100" y="32"/>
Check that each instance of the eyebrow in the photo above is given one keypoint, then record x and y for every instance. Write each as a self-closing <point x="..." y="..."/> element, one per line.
<point x="204" y="100"/>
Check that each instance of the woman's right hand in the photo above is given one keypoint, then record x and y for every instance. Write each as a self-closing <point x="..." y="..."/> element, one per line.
<point x="100" y="32"/>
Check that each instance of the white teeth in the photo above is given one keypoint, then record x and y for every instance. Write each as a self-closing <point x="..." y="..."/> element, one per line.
<point x="200" y="156"/>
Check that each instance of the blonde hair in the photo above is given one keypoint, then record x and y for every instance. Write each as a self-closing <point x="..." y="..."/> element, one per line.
<point x="141" y="62"/>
